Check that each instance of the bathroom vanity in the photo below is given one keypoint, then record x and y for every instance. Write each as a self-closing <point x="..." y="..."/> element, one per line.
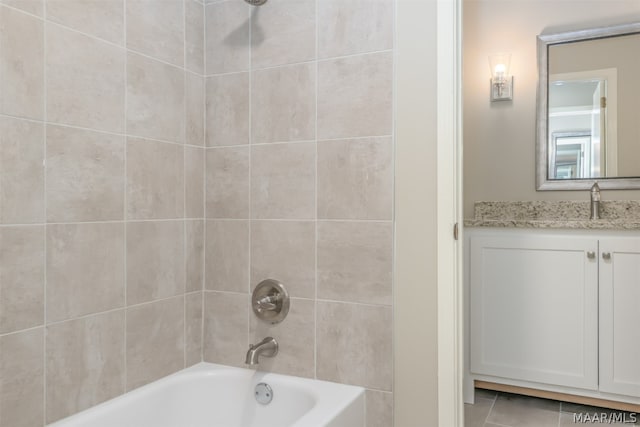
<point x="553" y="301"/>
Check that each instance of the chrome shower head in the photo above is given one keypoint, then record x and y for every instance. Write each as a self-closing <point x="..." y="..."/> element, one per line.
<point x="256" y="2"/>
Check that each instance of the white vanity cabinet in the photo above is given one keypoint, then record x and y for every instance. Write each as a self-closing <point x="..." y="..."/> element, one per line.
<point x="547" y="311"/>
<point x="620" y="316"/>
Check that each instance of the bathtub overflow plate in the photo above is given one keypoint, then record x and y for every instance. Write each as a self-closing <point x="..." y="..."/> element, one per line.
<point x="263" y="393"/>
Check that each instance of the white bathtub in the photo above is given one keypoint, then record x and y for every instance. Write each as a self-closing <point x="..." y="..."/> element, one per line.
<point x="209" y="395"/>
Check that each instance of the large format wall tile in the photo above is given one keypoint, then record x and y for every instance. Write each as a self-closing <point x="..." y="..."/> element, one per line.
<point x="227" y="41"/>
<point x="226" y="325"/>
<point x="22" y="373"/>
<point x="85" y="269"/>
<point x="228" y="182"/>
<point x="193" y="328"/>
<point x="227" y="255"/>
<point x="155" y="260"/>
<point x="354" y="344"/>
<point x="34" y="7"/>
<point x="194" y="99"/>
<point x="194" y="36"/>
<point x="283" y="33"/>
<point x="21" y="277"/>
<point x="295" y="337"/>
<point x="380" y="409"/>
<point x="103" y="19"/>
<point x="22" y="65"/>
<point x="155" y="99"/>
<point x="85" y="363"/>
<point x="283" y="104"/>
<point x="355" y="261"/>
<point x="285" y="251"/>
<point x="85" y="175"/>
<point x="228" y="109"/>
<point x="155" y="341"/>
<point x="156" y="28"/>
<point x="21" y="171"/>
<point x="355" y="179"/>
<point x="354" y="26"/>
<point x="85" y="81"/>
<point x="355" y="96"/>
<point x="194" y="161"/>
<point x="194" y="255"/>
<point x="155" y="179"/>
<point x="283" y="179"/>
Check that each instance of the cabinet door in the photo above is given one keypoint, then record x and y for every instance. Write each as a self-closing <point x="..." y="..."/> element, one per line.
<point x="620" y="316"/>
<point x="534" y="308"/>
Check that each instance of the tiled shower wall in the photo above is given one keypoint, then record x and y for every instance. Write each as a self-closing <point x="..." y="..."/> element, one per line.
<point x="101" y="200"/>
<point x="299" y="186"/>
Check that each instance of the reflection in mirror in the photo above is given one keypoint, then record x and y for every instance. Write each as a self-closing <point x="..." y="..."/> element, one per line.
<point x="589" y="117"/>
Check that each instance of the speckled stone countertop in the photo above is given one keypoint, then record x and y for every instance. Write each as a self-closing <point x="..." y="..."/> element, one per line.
<point x="616" y="215"/>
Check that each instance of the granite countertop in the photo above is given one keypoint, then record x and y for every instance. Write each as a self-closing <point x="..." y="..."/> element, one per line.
<point x="616" y="215"/>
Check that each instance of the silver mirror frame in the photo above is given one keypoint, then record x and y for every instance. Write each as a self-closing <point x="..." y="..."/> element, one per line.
<point x="543" y="183"/>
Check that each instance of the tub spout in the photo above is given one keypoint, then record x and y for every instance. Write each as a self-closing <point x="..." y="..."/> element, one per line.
<point x="268" y="347"/>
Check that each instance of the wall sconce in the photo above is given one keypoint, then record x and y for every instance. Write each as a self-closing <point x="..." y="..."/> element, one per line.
<point x="501" y="81"/>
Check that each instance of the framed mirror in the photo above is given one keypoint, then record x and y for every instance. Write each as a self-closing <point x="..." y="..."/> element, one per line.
<point x="588" y="113"/>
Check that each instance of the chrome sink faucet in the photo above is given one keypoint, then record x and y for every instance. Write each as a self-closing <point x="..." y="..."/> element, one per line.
<point x="595" y="201"/>
<point x="268" y="347"/>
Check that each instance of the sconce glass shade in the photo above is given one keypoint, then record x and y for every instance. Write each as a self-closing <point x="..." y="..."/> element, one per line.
<point x="501" y="81"/>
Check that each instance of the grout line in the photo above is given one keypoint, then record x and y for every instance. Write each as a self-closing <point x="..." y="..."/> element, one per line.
<point x="307" y="141"/>
<point x="204" y="180"/>
<point x="308" y="62"/>
<point x="125" y="209"/>
<point x="393" y="194"/>
<point x="315" y="247"/>
<point x="184" y="185"/>
<point x="45" y="168"/>
<point x="250" y="127"/>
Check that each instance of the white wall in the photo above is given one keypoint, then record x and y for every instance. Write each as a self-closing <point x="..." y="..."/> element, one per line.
<point x="499" y="138"/>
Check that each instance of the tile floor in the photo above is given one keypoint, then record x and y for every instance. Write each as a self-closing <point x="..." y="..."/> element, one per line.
<point x="494" y="409"/>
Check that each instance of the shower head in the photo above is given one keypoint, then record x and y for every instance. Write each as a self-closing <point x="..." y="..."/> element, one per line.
<point x="256" y="2"/>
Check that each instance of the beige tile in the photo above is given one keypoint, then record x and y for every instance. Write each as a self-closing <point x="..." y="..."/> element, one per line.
<point x="195" y="255"/>
<point x="283" y="33"/>
<point x="85" y="175"/>
<point x="476" y="415"/>
<point x="379" y="409"/>
<point x="22" y="65"/>
<point x="193" y="338"/>
<point x="285" y="251"/>
<point x="34" y="7"/>
<point x="194" y="109"/>
<point x="85" y="81"/>
<point x="194" y="186"/>
<point x="227" y="43"/>
<point x="85" y="363"/>
<point x="155" y="99"/>
<point x="354" y="344"/>
<point x="296" y="340"/>
<point x="355" y="261"/>
<point x="355" y="179"/>
<point x="228" y="110"/>
<point x="22" y="373"/>
<point x="21" y="171"/>
<point x="355" y="96"/>
<point x="283" y="181"/>
<point x="155" y="179"/>
<point x="194" y="36"/>
<point x="155" y="260"/>
<point x="228" y="182"/>
<point x="283" y="104"/>
<point x="155" y="341"/>
<point x="227" y="256"/>
<point x="515" y="410"/>
<point x="226" y="328"/>
<point x="21" y="278"/>
<point x="100" y="18"/>
<point x="354" y="26"/>
<point x="156" y="28"/>
<point x="85" y="269"/>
